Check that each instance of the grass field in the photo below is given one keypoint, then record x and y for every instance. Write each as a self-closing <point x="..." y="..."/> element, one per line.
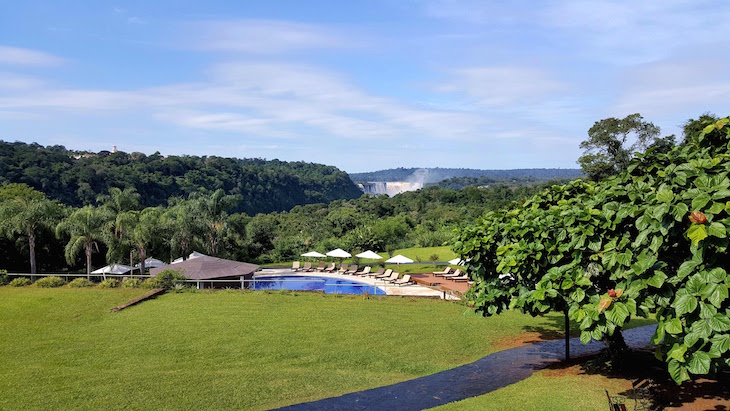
<point x="63" y="349"/>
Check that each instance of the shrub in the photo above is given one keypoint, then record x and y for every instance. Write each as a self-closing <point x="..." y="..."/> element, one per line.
<point x="110" y="283"/>
<point x="132" y="283"/>
<point x="169" y="279"/>
<point x="151" y="283"/>
<point x="50" y="282"/>
<point x="80" y="283"/>
<point x="20" y="282"/>
<point x="4" y="280"/>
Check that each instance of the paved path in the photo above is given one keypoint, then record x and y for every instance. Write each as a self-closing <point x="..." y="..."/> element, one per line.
<point x="480" y="377"/>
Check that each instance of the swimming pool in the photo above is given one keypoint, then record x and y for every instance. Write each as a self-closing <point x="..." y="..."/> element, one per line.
<point x="314" y="283"/>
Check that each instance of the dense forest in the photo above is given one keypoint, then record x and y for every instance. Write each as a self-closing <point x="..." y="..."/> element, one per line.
<point x="435" y="175"/>
<point x="262" y="186"/>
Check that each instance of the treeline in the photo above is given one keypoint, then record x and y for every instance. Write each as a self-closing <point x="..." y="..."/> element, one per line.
<point x="119" y="228"/>
<point x="435" y="175"/>
<point x="261" y="186"/>
<point x="458" y="183"/>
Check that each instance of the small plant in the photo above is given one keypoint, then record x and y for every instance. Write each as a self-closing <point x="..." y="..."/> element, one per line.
<point x="132" y="283"/>
<point x="419" y="259"/>
<point x="20" y="282"/>
<point x="80" y="283"/>
<point x="150" y="283"/>
<point x="110" y="283"/>
<point x="50" y="282"/>
<point x="4" y="280"/>
<point x="168" y="279"/>
<point x="433" y="258"/>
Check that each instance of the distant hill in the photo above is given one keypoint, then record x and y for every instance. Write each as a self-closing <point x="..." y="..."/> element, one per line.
<point x="436" y="175"/>
<point x="77" y="178"/>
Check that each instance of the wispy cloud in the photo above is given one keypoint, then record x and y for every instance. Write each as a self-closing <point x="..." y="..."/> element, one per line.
<point x="261" y="36"/>
<point x="25" y="57"/>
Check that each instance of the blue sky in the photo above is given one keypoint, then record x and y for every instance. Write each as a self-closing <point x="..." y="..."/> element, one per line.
<point x="362" y="85"/>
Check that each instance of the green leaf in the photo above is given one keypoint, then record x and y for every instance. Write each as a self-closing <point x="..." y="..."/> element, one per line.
<point x="696" y="233"/>
<point x="720" y="323"/>
<point x="578" y="295"/>
<point x="720" y="194"/>
<point x="717" y="230"/>
<point x="686" y="268"/>
<point x="657" y="280"/>
<point x="699" y="363"/>
<point x="707" y="311"/>
<point x="700" y="201"/>
<point x="702" y="328"/>
<point x="618" y="313"/>
<point x="585" y="337"/>
<point x="583" y="281"/>
<point x="691" y="339"/>
<point x="678" y="372"/>
<point x="721" y="342"/>
<point x="677" y="352"/>
<point x="685" y="304"/>
<point x="567" y="284"/>
<point x="717" y="294"/>
<point x="673" y="326"/>
<point x="658" y="334"/>
<point x="679" y="211"/>
<point x="665" y="195"/>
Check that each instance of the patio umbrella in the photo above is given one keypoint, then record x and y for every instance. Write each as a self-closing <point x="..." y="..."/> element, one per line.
<point x="313" y="254"/>
<point x="398" y="260"/>
<point x="339" y="253"/>
<point x="151" y="263"/>
<point x="456" y="261"/>
<point x="192" y="255"/>
<point x="113" y="269"/>
<point x="370" y="255"/>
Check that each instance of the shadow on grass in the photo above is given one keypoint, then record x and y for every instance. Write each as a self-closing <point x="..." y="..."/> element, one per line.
<point x="642" y="368"/>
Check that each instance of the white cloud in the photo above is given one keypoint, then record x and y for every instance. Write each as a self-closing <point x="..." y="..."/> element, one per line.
<point x="26" y="57"/>
<point x="260" y="36"/>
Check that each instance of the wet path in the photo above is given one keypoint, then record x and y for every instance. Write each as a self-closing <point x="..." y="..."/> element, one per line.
<point x="480" y="377"/>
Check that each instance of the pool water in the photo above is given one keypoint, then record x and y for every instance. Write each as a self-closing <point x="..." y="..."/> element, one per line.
<point x="314" y="283"/>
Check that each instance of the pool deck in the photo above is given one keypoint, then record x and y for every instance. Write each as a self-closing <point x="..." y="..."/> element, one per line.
<point x="412" y="290"/>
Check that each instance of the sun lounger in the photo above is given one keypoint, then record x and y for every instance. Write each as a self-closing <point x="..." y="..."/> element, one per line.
<point x="380" y="271"/>
<point x="295" y="266"/>
<point x="403" y="281"/>
<point x="364" y="272"/>
<point x="456" y="273"/>
<point x="387" y="273"/>
<point x="321" y="266"/>
<point x="464" y="277"/>
<point x="393" y="277"/>
<point x="330" y="268"/>
<point x="307" y="267"/>
<point x="343" y="268"/>
<point x="444" y="272"/>
<point x="352" y="270"/>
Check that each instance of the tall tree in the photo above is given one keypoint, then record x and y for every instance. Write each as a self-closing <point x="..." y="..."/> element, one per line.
<point x="146" y="232"/>
<point x="119" y="203"/>
<point x="25" y="211"/>
<point x="212" y="208"/>
<point x="612" y="142"/>
<point x="183" y="222"/>
<point x="86" y="226"/>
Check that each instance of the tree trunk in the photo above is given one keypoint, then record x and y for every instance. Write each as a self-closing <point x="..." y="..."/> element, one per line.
<point x="142" y="257"/>
<point x="131" y="257"/>
<point x="88" y="261"/>
<point x="617" y="348"/>
<point x="31" y="248"/>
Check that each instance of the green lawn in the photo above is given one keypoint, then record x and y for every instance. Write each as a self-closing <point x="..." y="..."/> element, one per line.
<point x="63" y="349"/>
<point x="549" y="390"/>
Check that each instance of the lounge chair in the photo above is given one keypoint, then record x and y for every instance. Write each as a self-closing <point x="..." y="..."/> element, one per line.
<point x="387" y="273"/>
<point x="444" y="272"/>
<point x="321" y="266"/>
<point x="394" y="276"/>
<point x="464" y="277"/>
<point x="403" y="281"/>
<point x="380" y="271"/>
<point x="295" y="266"/>
<point x="365" y="271"/>
<point x="352" y="270"/>
<point x="307" y="267"/>
<point x="343" y="268"/>
<point x="330" y="268"/>
<point x="456" y="273"/>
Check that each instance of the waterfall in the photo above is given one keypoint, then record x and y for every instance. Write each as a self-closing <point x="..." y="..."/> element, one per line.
<point x="390" y="188"/>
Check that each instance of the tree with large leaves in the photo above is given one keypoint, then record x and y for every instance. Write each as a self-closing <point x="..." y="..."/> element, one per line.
<point x="651" y="240"/>
<point x="612" y="142"/>
<point x="86" y="227"/>
<point x="25" y="211"/>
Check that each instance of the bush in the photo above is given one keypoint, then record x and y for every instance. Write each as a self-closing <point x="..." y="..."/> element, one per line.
<point x="4" y="280"/>
<point x="132" y="283"/>
<point x="50" y="282"/>
<point x="151" y="283"/>
<point x="169" y="279"/>
<point x="20" y="282"/>
<point x="110" y="283"/>
<point x="80" y="283"/>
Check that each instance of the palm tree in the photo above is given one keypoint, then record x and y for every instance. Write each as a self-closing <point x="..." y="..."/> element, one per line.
<point x="183" y="221"/>
<point x="212" y="208"/>
<point x="86" y="226"/>
<point x="119" y="203"/>
<point x="26" y="212"/>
